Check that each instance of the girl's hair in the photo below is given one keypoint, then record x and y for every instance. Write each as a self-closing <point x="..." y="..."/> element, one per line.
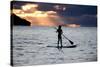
<point x="59" y="26"/>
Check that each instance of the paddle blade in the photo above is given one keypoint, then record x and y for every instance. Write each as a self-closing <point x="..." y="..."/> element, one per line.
<point x="71" y="42"/>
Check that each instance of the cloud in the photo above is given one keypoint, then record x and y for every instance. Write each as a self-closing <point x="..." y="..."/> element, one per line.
<point x="60" y="7"/>
<point x="88" y="20"/>
<point x="71" y="19"/>
<point x="51" y="12"/>
<point x="84" y="20"/>
<point x="31" y="13"/>
<point x="41" y="14"/>
<point x="29" y="8"/>
<point x="17" y="11"/>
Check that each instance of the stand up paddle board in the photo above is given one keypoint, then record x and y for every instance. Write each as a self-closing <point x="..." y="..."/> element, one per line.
<point x="72" y="46"/>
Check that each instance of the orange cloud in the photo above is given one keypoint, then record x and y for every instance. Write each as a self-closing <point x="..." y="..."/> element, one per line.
<point x="51" y="12"/>
<point x="28" y="8"/>
<point x="17" y="11"/>
<point x="31" y="13"/>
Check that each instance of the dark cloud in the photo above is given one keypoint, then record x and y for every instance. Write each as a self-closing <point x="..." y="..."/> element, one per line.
<point x="78" y="10"/>
<point x="88" y="20"/>
<point x="84" y="20"/>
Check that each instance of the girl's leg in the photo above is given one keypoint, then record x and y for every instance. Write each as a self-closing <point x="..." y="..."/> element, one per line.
<point x="58" y="43"/>
<point x="61" y="42"/>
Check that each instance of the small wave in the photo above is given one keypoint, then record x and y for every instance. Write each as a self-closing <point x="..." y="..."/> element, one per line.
<point x="19" y="48"/>
<point x="40" y="43"/>
<point x="81" y="50"/>
<point x="91" y="53"/>
<point x="19" y="42"/>
<point x="52" y="58"/>
<point x="30" y="52"/>
<point x="61" y="58"/>
<point x="20" y="54"/>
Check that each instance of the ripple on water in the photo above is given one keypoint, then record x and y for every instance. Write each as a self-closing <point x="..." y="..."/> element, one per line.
<point x="91" y="53"/>
<point x="52" y="53"/>
<point x="18" y="48"/>
<point x="61" y="58"/>
<point x="81" y="50"/>
<point x="19" y="42"/>
<point x="20" y="54"/>
<point x="21" y="46"/>
<point x="30" y="52"/>
<point x="94" y="47"/>
<point x="52" y="58"/>
<point x="40" y="43"/>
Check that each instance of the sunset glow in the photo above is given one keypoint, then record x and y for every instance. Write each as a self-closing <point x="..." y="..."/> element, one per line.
<point x="37" y="17"/>
<point x="29" y="7"/>
<point x="17" y="11"/>
<point x="72" y="25"/>
<point x="51" y="14"/>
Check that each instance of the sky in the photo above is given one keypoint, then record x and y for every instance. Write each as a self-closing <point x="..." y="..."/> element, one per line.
<point x="51" y="14"/>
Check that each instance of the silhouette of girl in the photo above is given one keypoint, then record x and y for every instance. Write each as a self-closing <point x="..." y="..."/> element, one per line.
<point x="59" y="31"/>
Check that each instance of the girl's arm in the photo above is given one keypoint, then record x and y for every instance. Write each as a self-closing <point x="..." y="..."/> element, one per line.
<point x="56" y="30"/>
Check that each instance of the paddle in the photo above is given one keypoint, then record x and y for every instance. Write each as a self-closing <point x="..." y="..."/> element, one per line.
<point x="68" y="40"/>
<point x="71" y="42"/>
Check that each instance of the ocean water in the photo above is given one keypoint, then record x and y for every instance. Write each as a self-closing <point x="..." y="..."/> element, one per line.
<point x="30" y="45"/>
